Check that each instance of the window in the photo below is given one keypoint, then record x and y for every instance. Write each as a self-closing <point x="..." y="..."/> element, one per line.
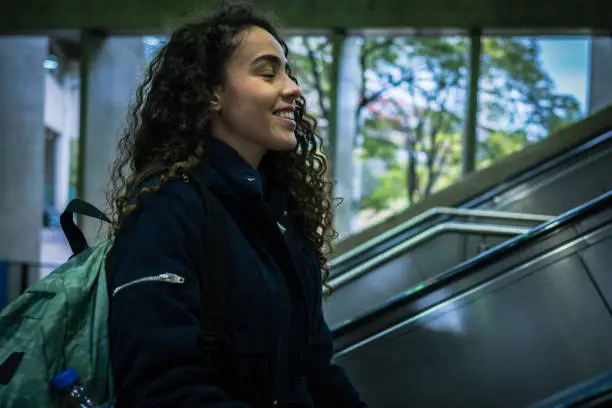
<point x="409" y="121"/>
<point x="530" y="87"/>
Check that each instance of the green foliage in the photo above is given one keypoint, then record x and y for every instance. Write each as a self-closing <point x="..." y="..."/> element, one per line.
<point x="379" y="148"/>
<point x="499" y="144"/>
<point x="413" y="95"/>
<point x="527" y="97"/>
<point x="311" y="63"/>
<point x="393" y="180"/>
<point x="518" y="105"/>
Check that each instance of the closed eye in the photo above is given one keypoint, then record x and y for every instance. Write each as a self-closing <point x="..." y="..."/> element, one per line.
<point x="271" y="61"/>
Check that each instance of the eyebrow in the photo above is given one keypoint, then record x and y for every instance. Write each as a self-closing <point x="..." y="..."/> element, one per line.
<point x="273" y="59"/>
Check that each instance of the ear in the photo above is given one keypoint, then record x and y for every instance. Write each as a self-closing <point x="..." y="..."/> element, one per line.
<point x="216" y="103"/>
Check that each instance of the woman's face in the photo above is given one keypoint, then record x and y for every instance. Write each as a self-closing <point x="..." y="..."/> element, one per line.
<point x="257" y="100"/>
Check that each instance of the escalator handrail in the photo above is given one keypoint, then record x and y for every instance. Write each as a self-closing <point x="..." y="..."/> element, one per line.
<point x="538" y="170"/>
<point x="479" y="199"/>
<point x="511" y="246"/>
<point x="580" y="393"/>
<point x="337" y="282"/>
<point x="429" y="214"/>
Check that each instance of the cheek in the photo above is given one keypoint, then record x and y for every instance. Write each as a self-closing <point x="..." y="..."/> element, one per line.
<point x="252" y="106"/>
<point x="256" y="93"/>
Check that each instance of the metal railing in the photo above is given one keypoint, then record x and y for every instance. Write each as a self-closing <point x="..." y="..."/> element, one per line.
<point x="469" y="267"/>
<point x="415" y="240"/>
<point x="429" y="215"/>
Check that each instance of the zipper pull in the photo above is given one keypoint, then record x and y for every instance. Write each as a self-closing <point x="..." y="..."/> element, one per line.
<point x="162" y="277"/>
<point x="171" y="278"/>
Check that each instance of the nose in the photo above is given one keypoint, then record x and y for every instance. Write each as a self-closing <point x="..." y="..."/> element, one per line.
<point x="291" y="90"/>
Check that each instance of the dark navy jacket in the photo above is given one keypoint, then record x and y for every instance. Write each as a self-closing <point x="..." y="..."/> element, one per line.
<point x="156" y="328"/>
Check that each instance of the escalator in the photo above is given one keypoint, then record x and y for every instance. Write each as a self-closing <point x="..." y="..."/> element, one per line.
<point x="440" y="238"/>
<point x="507" y="328"/>
<point x="423" y="256"/>
<point x="595" y="392"/>
<point x="552" y="186"/>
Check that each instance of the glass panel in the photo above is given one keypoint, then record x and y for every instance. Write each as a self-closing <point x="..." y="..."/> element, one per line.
<point x="310" y="58"/>
<point x="410" y="120"/>
<point x="151" y="45"/>
<point x="530" y="87"/>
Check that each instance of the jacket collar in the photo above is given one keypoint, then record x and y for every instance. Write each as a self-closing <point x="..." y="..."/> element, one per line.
<point x="226" y="173"/>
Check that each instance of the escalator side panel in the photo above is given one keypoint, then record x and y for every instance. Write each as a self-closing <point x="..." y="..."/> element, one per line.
<point x="476" y="244"/>
<point x="560" y="191"/>
<point x="440" y="253"/>
<point x="371" y="289"/>
<point x="603" y="170"/>
<point x="594" y="221"/>
<point x="506" y="345"/>
<point x="597" y="260"/>
<point x="406" y="271"/>
<point x="398" y="313"/>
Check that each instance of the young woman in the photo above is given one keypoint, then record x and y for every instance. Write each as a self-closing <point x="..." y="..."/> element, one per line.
<point x="220" y="107"/>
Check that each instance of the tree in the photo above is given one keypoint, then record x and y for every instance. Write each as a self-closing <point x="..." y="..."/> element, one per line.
<point x="517" y="92"/>
<point x="311" y="62"/>
<point x="417" y="83"/>
<point x="425" y="79"/>
<point x="411" y="107"/>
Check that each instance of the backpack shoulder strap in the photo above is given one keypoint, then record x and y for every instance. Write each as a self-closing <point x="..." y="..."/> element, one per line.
<point x="75" y="237"/>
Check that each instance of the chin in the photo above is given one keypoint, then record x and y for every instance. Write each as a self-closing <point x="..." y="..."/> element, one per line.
<point x="283" y="144"/>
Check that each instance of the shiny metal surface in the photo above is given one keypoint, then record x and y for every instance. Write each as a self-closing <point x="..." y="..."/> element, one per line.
<point x="561" y="188"/>
<point x="427" y="216"/>
<point x="415" y="260"/>
<point x="528" y="325"/>
<point x="580" y="221"/>
<point x="595" y="392"/>
<point x="419" y="239"/>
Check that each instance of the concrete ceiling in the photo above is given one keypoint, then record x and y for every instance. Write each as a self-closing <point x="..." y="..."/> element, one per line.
<point x="158" y="16"/>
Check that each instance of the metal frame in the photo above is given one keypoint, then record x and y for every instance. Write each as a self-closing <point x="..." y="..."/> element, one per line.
<point x="425" y="216"/>
<point x="389" y="254"/>
<point x="516" y="194"/>
<point x="560" y="160"/>
<point x="559" y="251"/>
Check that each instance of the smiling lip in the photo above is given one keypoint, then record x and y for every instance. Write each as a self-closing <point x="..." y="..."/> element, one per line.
<point x="287" y="122"/>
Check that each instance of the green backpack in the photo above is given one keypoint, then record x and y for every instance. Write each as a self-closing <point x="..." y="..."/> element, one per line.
<point x="60" y="322"/>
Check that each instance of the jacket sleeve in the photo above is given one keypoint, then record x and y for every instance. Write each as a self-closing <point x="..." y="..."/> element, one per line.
<point x="156" y="328"/>
<point x="327" y="382"/>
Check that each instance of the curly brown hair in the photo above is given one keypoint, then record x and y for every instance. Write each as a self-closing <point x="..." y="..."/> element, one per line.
<point x="169" y="124"/>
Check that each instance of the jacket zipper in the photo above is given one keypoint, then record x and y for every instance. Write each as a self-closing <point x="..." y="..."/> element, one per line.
<point x="163" y="277"/>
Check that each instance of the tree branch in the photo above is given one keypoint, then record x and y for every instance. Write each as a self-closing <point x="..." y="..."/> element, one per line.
<point x="435" y="175"/>
<point x="367" y="100"/>
<point x="317" y="78"/>
<point x="366" y="52"/>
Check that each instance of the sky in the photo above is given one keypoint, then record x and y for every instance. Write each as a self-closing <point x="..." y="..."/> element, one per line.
<point x="567" y="61"/>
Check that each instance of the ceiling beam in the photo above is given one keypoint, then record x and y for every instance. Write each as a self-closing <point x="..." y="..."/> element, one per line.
<point x="159" y="16"/>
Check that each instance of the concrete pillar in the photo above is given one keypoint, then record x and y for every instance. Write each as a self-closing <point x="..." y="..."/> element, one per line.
<point x="600" y="87"/>
<point x="469" y="137"/>
<point x="111" y="70"/>
<point x="346" y="127"/>
<point x="22" y="144"/>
